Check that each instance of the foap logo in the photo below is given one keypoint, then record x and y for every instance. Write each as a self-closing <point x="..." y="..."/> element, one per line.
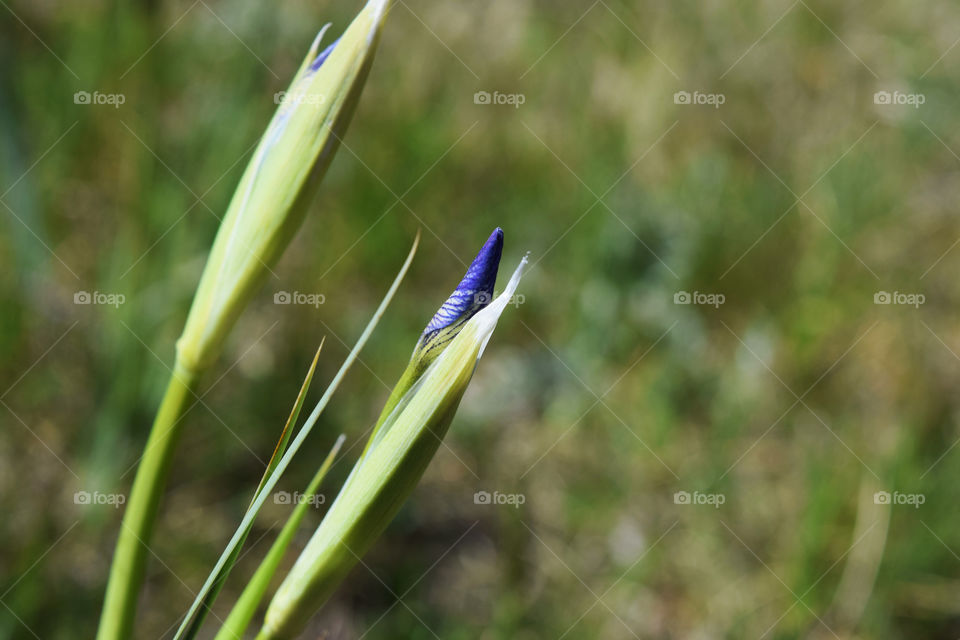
<point x="97" y="498"/>
<point x="112" y="99"/>
<point x="513" y="99"/>
<point x="712" y="99"/>
<point x="98" y="297"/>
<point x="898" y="297"/>
<point x="699" y="498"/>
<point x="697" y="297"/>
<point x="512" y="499"/>
<point x="297" y="297"/>
<point x="482" y="297"/>
<point x="912" y="499"/>
<point x="899" y="98"/>
<point x="285" y="497"/>
<point x="298" y="98"/>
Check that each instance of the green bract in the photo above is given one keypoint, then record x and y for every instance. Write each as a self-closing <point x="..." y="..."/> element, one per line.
<point x="384" y="476"/>
<point x="280" y="182"/>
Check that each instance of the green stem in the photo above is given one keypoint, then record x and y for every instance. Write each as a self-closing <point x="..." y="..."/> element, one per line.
<point x="130" y="557"/>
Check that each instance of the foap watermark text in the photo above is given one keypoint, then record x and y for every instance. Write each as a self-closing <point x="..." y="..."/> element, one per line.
<point x="285" y="497"/>
<point x="711" y="99"/>
<point x="482" y="297"/>
<point x="699" y="498"/>
<point x="898" y="97"/>
<point x="299" y="97"/>
<point x="912" y="499"/>
<point x="299" y="297"/>
<point x="112" y="99"/>
<point x="512" y="499"/>
<point x="512" y="99"/>
<point x="899" y="297"/>
<point x="699" y="298"/>
<point x="98" y="497"/>
<point x="99" y="297"/>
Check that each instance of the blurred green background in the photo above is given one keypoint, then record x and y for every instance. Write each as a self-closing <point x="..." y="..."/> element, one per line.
<point x="799" y="200"/>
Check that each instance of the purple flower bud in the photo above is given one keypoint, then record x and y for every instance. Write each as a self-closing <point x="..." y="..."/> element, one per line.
<point x="475" y="291"/>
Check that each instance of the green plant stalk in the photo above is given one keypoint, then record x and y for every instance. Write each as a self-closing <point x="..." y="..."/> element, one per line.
<point x="246" y="606"/>
<point x="129" y="560"/>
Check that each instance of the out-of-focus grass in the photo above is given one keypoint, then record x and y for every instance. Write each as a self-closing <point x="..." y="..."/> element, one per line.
<point x="599" y="399"/>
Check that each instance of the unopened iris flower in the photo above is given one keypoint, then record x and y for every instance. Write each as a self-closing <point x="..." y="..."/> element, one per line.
<point x="473" y="293"/>
<point x="405" y="439"/>
<point x="266" y="210"/>
<point x="280" y="182"/>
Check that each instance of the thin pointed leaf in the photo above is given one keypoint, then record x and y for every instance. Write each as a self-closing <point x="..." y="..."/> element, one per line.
<point x="251" y="513"/>
<point x="246" y="606"/>
<point x="292" y="420"/>
<point x="278" y="451"/>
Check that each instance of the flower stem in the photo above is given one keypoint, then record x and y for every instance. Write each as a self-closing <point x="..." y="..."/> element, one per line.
<point x="130" y="557"/>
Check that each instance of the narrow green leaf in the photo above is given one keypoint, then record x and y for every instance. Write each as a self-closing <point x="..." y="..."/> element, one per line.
<point x="278" y="451"/>
<point x="246" y="605"/>
<point x="292" y="420"/>
<point x="251" y="513"/>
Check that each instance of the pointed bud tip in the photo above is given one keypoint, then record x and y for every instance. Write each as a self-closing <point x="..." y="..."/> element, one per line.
<point x="482" y="273"/>
<point x="379" y="8"/>
<point x="323" y="55"/>
<point x="475" y="291"/>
